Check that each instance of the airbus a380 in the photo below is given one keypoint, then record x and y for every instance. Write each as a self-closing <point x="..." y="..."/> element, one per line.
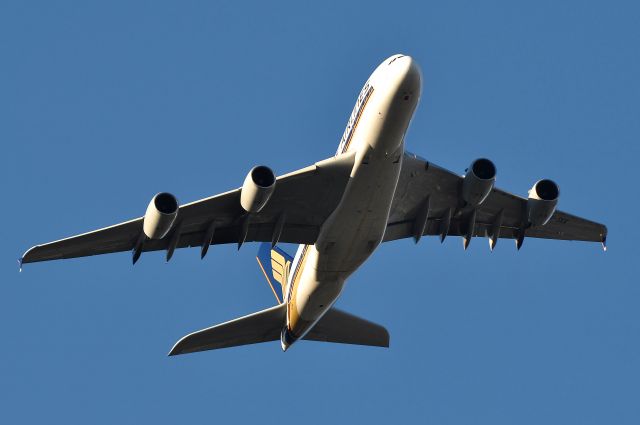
<point x="338" y="210"/>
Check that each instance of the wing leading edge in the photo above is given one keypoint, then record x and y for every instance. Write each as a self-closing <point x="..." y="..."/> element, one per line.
<point x="500" y="213"/>
<point x="301" y="202"/>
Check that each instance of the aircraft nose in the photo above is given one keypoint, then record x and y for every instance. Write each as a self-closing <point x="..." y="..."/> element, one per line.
<point x="407" y="70"/>
<point x="402" y="62"/>
<point x="394" y="58"/>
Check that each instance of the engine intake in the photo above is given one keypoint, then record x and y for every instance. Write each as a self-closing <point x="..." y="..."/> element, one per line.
<point x="160" y="216"/>
<point x="542" y="202"/>
<point x="257" y="189"/>
<point x="478" y="182"/>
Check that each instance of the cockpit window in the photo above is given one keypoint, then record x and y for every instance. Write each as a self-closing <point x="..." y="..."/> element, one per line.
<point x="393" y="60"/>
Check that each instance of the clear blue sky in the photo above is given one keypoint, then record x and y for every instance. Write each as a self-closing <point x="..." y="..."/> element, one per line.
<point x="103" y="104"/>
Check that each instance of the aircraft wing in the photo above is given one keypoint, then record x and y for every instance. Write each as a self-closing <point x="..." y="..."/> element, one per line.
<point x="301" y="202"/>
<point x="420" y="179"/>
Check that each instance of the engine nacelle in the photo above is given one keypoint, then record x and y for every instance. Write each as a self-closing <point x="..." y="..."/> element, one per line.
<point x="257" y="188"/>
<point x="160" y="216"/>
<point x="478" y="182"/>
<point x="542" y="202"/>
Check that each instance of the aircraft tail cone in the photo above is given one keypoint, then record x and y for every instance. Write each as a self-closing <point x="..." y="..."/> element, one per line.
<point x="286" y="339"/>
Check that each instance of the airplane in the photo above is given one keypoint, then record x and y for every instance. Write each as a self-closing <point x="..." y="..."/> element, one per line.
<point x="339" y="210"/>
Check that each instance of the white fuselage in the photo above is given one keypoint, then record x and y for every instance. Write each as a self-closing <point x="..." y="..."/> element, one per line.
<point x="375" y="132"/>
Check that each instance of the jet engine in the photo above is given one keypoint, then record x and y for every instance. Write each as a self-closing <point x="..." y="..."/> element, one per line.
<point x="257" y="188"/>
<point x="478" y="182"/>
<point x="542" y="202"/>
<point x="160" y="216"/>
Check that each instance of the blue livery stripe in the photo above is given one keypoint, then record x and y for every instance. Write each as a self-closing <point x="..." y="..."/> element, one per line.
<point x="274" y="264"/>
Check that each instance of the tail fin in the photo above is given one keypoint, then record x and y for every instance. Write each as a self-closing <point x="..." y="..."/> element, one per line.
<point x="275" y="264"/>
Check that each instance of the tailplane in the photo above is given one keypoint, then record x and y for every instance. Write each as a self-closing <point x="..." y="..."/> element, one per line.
<point x="342" y="327"/>
<point x="262" y="326"/>
<point x="275" y="264"/>
<point x="270" y="325"/>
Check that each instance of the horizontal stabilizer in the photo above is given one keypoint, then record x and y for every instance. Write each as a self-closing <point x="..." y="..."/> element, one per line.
<point x="339" y="326"/>
<point x="262" y="326"/>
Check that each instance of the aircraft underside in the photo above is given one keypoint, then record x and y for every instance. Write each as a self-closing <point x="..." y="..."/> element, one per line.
<point x="338" y="210"/>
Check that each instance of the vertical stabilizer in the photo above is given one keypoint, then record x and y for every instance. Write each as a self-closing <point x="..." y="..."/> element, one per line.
<point x="275" y="265"/>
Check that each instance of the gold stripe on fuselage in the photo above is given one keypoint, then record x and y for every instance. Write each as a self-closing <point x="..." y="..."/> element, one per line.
<point x="358" y="116"/>
<point x="294" y="318"/>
